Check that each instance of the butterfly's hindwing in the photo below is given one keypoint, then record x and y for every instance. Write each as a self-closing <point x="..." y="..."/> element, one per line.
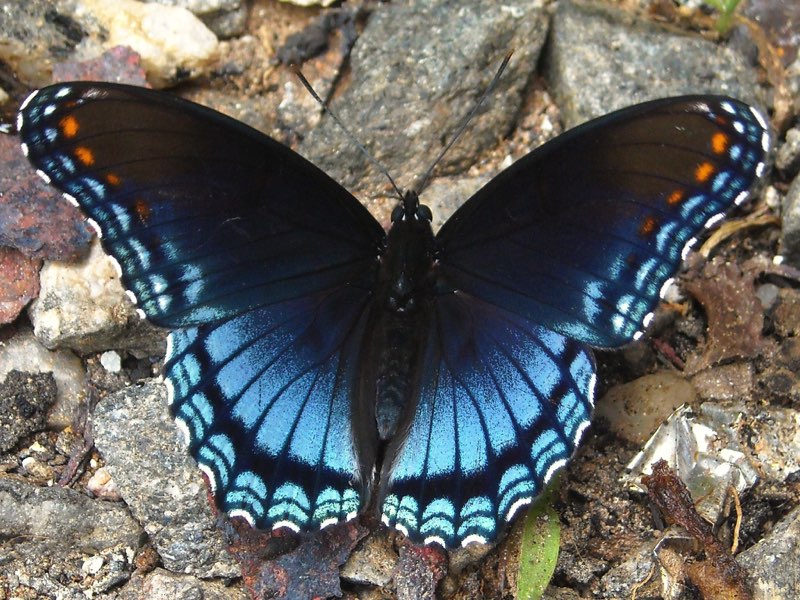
<point x="502" y="405"/>
<point x="279" y="382"/>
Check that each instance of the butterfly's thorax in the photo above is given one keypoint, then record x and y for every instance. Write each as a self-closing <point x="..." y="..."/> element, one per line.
<point x="403" y="294"/>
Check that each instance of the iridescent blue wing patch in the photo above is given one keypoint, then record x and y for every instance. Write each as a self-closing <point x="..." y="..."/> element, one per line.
<point x="502" y="405"/>
<point x="581" y="234"/>
<point x="260" y="264"/>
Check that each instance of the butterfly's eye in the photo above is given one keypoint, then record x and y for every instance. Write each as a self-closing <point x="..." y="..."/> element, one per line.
<point x="397" y="213"/>
<point x="424" y="213"/>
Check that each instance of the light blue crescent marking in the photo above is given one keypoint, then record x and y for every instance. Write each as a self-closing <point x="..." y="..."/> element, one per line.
<point x="478" y="513"/>
<point x="570" y="413"/>
<point x="591" y="294"/>
<point x="185" y="375"/>
<point x="645" y="272"/>
<point x="252" y="483"/>
<point x="721" y="182"/>
<point x="546" y="448"/>
<point x="121" y="216"/>
<point x="202" y="412"/>
<point x="735" y="152"/>
<point x="438" y="507"/>
<point x="690" y="205"/>
<point x="665" y="237"/>
<point x="407" y="512"/>
<point x="141" y="253"/>
<point x="93" y="187"/>
<point x="51" y="134"/>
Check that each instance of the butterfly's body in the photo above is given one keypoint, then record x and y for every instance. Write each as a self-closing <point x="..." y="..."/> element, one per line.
<point x="302" y="333"/>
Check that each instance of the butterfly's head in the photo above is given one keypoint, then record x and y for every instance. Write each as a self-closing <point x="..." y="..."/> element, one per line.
<point x="411" y="210"/>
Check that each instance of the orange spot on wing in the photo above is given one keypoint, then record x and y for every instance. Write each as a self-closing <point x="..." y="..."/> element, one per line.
<point x="142" y="209"/>
<point x="719" y="142"/>
<point x="675" y="197"/>
<point x="113" y="179"/>
<point x="648" y="226"/>
<point x="84" y="155"/>
<point x="704" y="172"/>
<point x="69" y="126"/>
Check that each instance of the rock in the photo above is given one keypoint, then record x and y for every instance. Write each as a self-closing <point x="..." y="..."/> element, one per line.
<point x="635" y="410"/>
<point x="173" y="43"/>
<point x="23" y="352"/>
<point x="410" y="91"/>
<point x="790" y="227"/>
<point x="84" y="307"/>
<point x="159" y="481"/>
<point x="774" y="562"/>
<point x="600" y="60"/>
<point x="51" y="532"/>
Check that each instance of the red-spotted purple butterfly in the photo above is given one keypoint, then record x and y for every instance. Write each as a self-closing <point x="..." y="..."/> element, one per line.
<point x="293" y="315"/>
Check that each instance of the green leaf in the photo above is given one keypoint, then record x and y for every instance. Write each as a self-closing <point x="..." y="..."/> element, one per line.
<point x="539" y="548"/>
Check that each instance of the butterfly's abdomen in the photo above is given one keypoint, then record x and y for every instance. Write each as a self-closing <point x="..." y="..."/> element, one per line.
<point x="402" y="310"/>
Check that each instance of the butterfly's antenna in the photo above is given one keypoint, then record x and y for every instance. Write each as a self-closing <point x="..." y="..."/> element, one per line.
<point x="347" y="132"/>
<point x="466" y="121"/>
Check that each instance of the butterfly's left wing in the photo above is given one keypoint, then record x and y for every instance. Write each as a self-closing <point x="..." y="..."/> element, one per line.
<point x="260" y="264"/>
<point x="570" y="246"/>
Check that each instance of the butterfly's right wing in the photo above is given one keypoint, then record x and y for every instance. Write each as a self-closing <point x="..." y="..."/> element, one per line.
<point x="259" y="263"/>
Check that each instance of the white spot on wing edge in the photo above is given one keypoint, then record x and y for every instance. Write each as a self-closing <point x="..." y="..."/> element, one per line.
<point x="170" y="348"/>
<point x="28" y="100"/>
<point x="714" y="220"/>
<point x="71" y="199"/>
<point x="45" y="177"/>
<point x="287" y="524"/>
<point x="24" y="146"/>
<point x="117" y="267"/>
<point x="65" y="91"/>
<point x="181" y="425"/>
<point x="328" y="522"/>
<point x="759" y="117"/>
<point x="434" y="539"/>
<point x="592" y="386"/>
<point x="132" y="296"/>
<point x="93" y="224"/>
<point x="170" y="390"/>
<point x="554" y="468"/>
<point x="473" y="539"/>
<point x="212" y="480"/>
<point x="240" y="512"/>
<point x="515" y="507"/>
<point x="662" y="293"/>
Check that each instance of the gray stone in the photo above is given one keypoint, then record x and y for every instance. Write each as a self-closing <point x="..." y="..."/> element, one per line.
<point x="50" y="533"/>
<point x="774" y="562"/>
<point x="163" y="585"/>
<point x="159" y="481"/>
<point x="601" y="60"/>
<point x="410" y="89"/>
<point x="787" y="156"/>
<point x="23" y="352"/>
<point x="790" y="234"/>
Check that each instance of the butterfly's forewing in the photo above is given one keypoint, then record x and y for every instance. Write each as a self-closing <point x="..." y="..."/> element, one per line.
<point x="260" y="264"/>
<point x="569" y="246"/>
<point x="581" y="234"/>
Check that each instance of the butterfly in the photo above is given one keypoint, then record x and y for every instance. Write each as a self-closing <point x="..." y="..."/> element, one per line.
<point x="297" y="324"/>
